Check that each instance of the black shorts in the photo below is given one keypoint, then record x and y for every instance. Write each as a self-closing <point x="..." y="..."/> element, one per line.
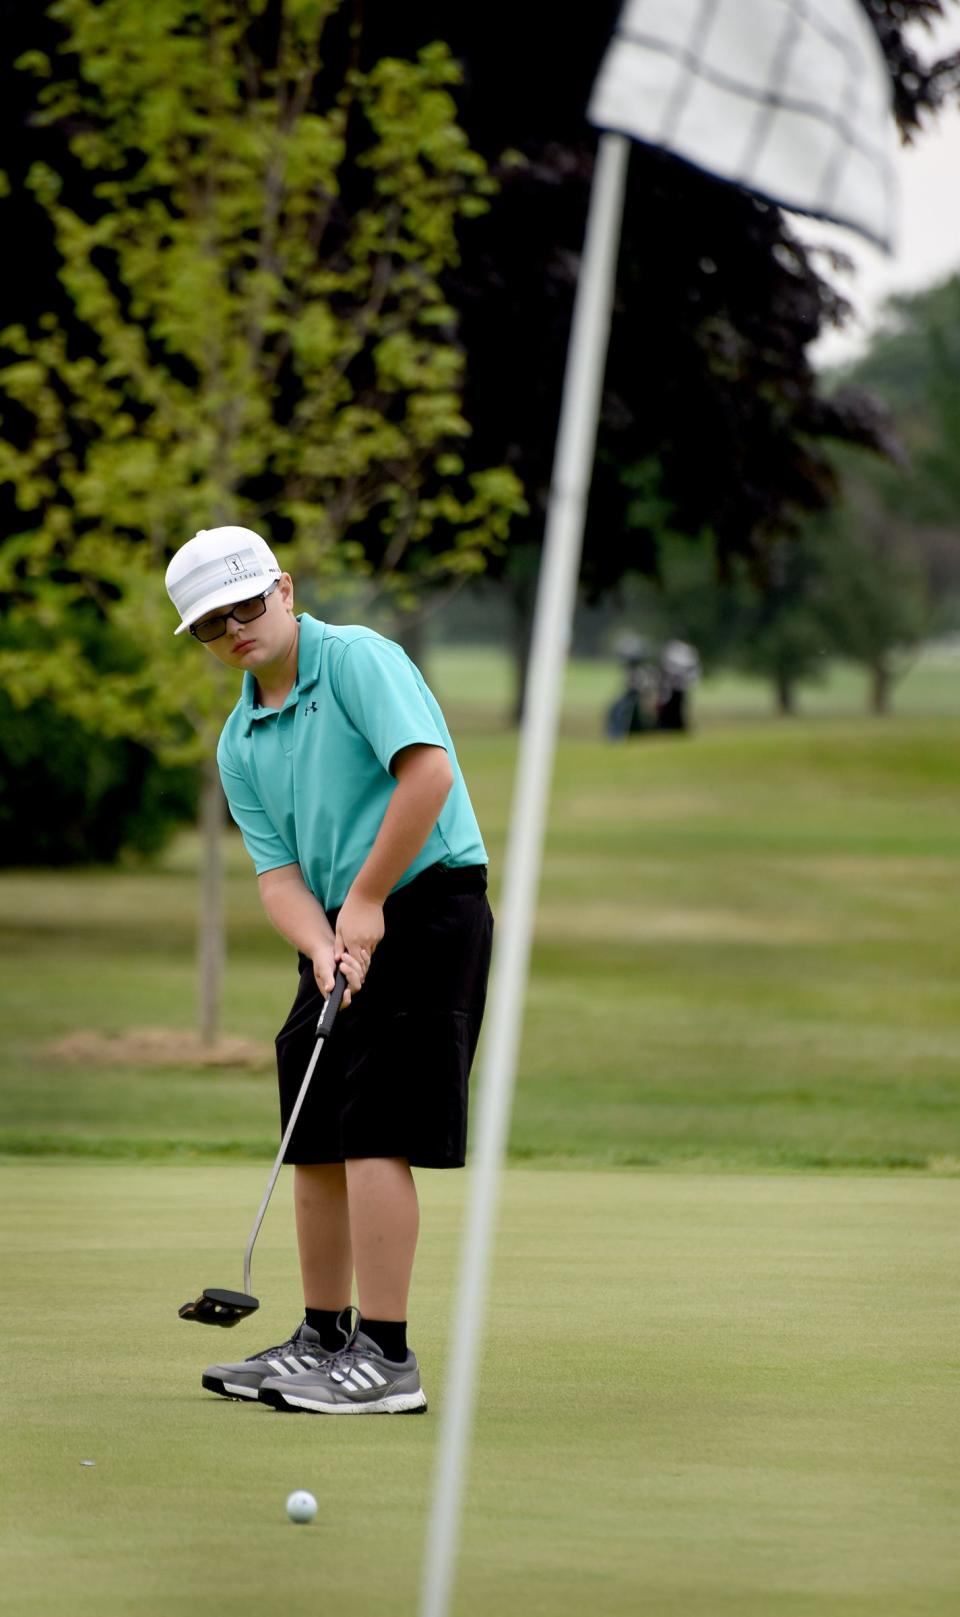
<point x="392" y="1077"/>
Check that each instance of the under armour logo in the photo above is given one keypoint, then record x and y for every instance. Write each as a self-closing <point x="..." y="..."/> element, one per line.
<point x="311" y="707"/>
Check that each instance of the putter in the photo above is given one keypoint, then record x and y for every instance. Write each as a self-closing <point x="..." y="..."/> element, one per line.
<point x="215" y="1307"/>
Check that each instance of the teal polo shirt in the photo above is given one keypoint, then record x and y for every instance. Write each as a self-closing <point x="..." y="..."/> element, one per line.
<point x="309" y="783"/>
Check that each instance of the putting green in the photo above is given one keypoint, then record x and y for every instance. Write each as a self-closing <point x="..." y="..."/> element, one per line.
<point x="701" y="1395"/>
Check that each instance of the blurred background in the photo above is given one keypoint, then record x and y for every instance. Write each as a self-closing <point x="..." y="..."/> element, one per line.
<point x="310" y="267"/>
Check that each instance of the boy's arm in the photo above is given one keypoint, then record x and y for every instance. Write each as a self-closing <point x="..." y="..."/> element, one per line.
<point x="301" y="919"/>
<point x="424" y="779"/>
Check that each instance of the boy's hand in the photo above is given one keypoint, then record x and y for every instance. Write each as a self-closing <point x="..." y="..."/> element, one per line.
<point x="325" y="962"/>
<point x="359" y="929"/>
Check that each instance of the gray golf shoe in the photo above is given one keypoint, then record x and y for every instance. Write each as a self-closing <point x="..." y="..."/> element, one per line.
<point x="298" y="1356"/>
<point x="356" y="1381"/>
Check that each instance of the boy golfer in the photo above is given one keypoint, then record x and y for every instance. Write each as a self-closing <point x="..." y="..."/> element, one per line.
<point x="340" y="772"/>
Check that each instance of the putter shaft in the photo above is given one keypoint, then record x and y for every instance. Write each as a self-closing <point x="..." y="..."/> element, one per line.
<point x="330" y="1009"/>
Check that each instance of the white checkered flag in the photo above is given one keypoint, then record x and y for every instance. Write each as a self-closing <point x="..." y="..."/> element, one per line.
<point x="787" y="99"/>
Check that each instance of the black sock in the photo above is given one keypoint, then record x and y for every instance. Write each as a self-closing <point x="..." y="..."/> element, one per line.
<point x="324" y="1320"/>
<point x="390" y="1336"/>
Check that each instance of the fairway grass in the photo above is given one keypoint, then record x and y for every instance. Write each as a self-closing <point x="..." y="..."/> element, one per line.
<point x="701" y="1396"/>
<point x="475" y="684"/>
<point x="746" y="956"/>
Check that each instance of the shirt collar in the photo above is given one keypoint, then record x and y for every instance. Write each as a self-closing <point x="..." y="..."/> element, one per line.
<point x="308" y="670"/>
<point x="312" y="632"/>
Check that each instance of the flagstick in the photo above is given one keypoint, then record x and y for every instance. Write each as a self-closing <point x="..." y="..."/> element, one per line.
<point x="563" y="542"/>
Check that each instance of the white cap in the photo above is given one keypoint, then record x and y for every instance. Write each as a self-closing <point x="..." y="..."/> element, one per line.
<point x="218" y="567"/>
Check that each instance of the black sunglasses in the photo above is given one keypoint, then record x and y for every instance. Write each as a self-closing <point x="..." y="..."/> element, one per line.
<point x="244" y="612"/>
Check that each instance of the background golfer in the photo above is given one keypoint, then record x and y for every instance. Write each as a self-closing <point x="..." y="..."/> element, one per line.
<point x="341" y="774"/>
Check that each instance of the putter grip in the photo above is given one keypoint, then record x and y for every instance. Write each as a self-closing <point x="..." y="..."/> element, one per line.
<point x="332" y="1006"/>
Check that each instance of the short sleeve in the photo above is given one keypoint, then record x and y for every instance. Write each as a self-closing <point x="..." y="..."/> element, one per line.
<point x="383" y="696"/>
<point x="261" y="838"/>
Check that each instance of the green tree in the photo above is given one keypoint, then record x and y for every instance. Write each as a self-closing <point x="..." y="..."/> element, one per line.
<point x="845" y="586"/>
<point x="871" y="600"/>
<point x="918" y="337"/>
<point x="913" y="365"/>
<point x="761" y="620"/>
<point x="708" y="369"/>
<point x="251" y="234"/>
<point x="908" y="509"/>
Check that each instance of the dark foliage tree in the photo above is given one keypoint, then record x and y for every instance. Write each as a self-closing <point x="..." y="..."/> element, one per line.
<point x="71" y="796"/>
<point x="718" y="301"/>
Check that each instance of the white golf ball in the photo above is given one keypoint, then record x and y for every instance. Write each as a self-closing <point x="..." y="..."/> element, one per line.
<point x="301" y="1506"/>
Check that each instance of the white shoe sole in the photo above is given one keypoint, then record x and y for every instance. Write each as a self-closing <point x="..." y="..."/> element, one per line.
<point x="398" y="1403"/>
<point x="230" y="1389"/>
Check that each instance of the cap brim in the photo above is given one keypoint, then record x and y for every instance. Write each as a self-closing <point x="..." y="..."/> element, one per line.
<point x="245" y="590"/>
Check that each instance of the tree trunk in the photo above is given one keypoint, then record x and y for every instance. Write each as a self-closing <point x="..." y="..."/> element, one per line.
<point x="881" y="685"/>
<point x="408" y="631"/>
<point x="521" y="602"/>
<point x="210" y="893"/>
<point x="786" y="696"/>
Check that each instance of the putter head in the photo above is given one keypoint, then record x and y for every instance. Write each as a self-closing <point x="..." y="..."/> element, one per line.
<point x="224" y="1308"/>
